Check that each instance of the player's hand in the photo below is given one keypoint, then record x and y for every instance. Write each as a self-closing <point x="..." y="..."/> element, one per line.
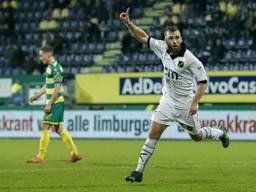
<point x="192" y="109"/>
<point x="33" y="98"/>
<point x="124" y="16"/>
<point x="47" y="108"/>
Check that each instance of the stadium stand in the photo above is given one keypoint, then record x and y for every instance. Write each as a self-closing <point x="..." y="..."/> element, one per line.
<point x="88" y="36"/>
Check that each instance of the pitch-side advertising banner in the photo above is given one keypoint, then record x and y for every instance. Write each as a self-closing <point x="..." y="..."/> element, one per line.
<point x="5" y="87"/>
<point x="228" y="87"/>
<point x="122" y="124"/>
<point x="118" y="88"/>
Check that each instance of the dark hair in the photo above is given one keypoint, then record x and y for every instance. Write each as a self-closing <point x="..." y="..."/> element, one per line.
<point x="171" y="29"/>
<point x="47" y="48"/>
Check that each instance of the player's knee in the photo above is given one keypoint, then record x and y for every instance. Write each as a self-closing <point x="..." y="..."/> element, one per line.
<point x="156" y="130"/>
<point x="58" y="129"/>
<point x="44" y="126"/>
<point x="154" y="136"/>
<point x="196" y="138"/>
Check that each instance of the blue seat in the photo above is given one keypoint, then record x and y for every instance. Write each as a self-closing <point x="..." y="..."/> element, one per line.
<point x="47" y="14"/>
<point x="30" y="15"/>
<point x="69" y="35"/>
<point x="17" y="26"/>
<point x="137" y="12"/>
<point x="84" y="47"/>
<point x="34" y="25"/>
<point x="62" y="58"/>
<point x="75" y="46"/>
<point x="91" y="47"/>
<point x="74" y="24"/>
<point x="64" y="24"/>
<point x="21" y="16"/>
<point x="25" y="26"/>
<point x="77" y="35"/>
<point x="156" y="21"/>
<point x="69" y="58"/>
<point x="42" y="5"/>
<point x="100" y="46"/>
<point x="81" y="24"/>
<point x="28" y="36"/>
<point x="78" y="58"/>
<point x="118" y="58"/>
<point x="37" y="15"/>
<point x="87" y="58"/>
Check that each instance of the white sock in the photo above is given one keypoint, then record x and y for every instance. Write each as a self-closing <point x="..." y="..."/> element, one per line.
<point x="146" y="152"/>
<point x="209" y="133"/>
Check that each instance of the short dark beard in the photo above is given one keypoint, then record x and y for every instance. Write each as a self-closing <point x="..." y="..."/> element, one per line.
<point x="174" y="52"/>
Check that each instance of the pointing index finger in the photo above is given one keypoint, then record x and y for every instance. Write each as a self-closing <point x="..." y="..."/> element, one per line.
<point x="127" y="10"/>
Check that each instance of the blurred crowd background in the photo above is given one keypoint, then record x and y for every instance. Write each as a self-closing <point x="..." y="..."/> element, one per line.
<point x="88" y="36"/>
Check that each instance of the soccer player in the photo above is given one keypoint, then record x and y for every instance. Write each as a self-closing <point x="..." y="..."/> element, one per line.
<point x="178" y="103"/>
<point x="54" y="108"/>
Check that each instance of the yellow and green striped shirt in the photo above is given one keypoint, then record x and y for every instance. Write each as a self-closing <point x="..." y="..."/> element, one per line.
<point x="54" y="74"/>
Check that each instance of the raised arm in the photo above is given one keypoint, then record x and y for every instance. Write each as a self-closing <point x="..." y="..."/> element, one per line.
<point x="138" y="33"/>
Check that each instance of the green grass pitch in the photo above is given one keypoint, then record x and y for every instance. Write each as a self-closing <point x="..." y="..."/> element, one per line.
<point x="178" y="166"/>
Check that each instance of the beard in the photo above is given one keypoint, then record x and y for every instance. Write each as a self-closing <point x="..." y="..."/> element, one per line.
<point x="174" y="50"/>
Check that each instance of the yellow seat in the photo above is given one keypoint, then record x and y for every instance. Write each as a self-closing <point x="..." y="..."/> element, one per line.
<point x="5" y="4"/>
<point x="222" y="5"/>
<point x="43" y="25"/>
<point x="52" y="24"/>
<point x="232" y="9"/>
<point x="208" y="17"/>
<point x="176" y="8"/>
<point x="13" y="4"/>
<point x="56" y="13"/>
<point x="65" y="12"/>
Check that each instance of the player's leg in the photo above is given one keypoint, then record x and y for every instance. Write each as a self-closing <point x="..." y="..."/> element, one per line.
<point x="156" y="129"/>
<point x="148" y="148"/>
<point x="146" y="152"/>
<point x="57" y="120"/>
<point x="210" y="133"/>
<point x="198" y="133"/>
<point x="43" y="145"/>
<point x="67" y="139"/>
<point x="215" y="133"/>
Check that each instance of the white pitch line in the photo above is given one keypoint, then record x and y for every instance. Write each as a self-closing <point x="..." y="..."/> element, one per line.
<point x="92" y="166"/>
<point x="55" y="169"/>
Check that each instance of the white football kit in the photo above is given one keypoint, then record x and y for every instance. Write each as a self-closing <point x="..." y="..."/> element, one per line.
<point x="180" y="73"/>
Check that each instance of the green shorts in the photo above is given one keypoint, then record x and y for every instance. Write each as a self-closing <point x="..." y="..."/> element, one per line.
<point x="55" y="117"/>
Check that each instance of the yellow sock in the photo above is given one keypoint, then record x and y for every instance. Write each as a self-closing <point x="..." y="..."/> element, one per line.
<point x="44" y="141"/>
<point x="67" y="139"/>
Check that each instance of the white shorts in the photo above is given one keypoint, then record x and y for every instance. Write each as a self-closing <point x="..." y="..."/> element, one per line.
<point x="190" y="124"/>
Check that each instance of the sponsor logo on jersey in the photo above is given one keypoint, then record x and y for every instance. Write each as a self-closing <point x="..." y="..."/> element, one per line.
<point x="180" y="64"/>
<point x="140" y="86"/>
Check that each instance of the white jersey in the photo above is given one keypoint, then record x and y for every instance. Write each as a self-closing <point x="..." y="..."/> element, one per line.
<point x="180" y="73"/>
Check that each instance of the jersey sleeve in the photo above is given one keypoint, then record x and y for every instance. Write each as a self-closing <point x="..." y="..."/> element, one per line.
<point x="157" y="46"/>
<point x="197" y="68"/>
<point x="57" y="75"/>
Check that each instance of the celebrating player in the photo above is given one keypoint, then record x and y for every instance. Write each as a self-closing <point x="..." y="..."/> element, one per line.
<point x="178" y="103"/>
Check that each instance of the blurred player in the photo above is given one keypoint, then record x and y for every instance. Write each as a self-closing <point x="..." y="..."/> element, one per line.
<point x="178" y="102"/>
<point x="54" y="108"/>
